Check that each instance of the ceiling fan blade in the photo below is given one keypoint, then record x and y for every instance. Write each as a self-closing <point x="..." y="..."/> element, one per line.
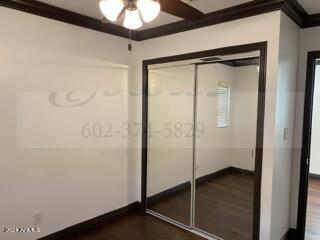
<point x="122" y="12"/>
<point x="181" y="9"/>
<point x="105" y="20"/>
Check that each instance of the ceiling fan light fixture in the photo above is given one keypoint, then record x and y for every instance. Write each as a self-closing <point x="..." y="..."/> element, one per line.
<point x="149" y="9"/>
<point x="111" y="9"/>
<point x="132" y="19"/>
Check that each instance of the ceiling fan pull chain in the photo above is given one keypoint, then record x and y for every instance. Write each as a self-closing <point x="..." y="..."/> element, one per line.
<point x="130" y="38"/>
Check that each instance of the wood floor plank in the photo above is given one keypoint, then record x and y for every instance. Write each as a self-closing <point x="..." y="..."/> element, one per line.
<point x="138" y="226"/>
<point x="313" y="210"/>
<point x="224" y="207"/>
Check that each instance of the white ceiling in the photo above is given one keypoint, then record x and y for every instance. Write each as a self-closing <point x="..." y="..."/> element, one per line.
<point x="311" y="6"/>
<point x="91" y="8"/>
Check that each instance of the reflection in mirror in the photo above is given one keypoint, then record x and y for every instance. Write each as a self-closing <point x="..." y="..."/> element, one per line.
<point x="225" y="154"/>
<point x="202" y="131"/>
<point x="170" y="142"/>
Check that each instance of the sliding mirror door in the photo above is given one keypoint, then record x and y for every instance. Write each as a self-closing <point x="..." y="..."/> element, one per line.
<point x="170" y="142"/>
<point x="227" y="103"/>
<point x="203" y="121"/>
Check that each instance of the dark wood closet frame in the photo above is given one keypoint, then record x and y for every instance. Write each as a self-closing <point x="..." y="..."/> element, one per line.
<point x="306" y="144"/>
<point x="262" y="48"/>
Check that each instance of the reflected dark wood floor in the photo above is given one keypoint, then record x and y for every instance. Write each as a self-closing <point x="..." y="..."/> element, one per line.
<point x="177" y="206"/>
<point x="138" y="226"/>
<point x="313" y="212"/>
<point x="224" y="206"/>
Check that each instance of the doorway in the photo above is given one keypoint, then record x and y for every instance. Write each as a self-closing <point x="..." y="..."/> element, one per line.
<point x="309" y="196"/>
<point x="203" y="118"/>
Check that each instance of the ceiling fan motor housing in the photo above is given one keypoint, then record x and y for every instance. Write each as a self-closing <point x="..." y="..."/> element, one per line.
<point x="130" y="4"/>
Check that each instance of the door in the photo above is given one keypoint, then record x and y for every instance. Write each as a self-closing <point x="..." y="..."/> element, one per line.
<point x="202" y="144"/>
<point x="225" y="154"/>
<point x="170" y="142"/>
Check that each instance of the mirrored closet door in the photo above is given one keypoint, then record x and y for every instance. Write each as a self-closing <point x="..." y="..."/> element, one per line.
<point x="203" y="144"/>
<point x="225" y="155"/>
<point x="170" y="142"/>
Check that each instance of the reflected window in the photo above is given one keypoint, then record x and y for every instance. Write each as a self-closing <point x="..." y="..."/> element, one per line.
<point x="223" y="106"/>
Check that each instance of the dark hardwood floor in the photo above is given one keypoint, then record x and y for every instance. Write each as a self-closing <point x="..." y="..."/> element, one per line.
<point x="138" y="226"/>
<point x="313" y="210"/>
<point x="224" y="206"/>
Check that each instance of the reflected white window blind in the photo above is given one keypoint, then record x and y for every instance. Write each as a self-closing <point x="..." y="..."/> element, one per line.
<point x="223" y="106"/>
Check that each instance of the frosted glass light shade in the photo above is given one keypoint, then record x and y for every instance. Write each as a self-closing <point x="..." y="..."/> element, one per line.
<point x="149" y="9"/>
<point x="132" y="19"/>
<point x="111" y="9"/>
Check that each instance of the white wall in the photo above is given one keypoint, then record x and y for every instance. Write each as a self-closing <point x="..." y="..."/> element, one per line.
<point x="287" y="77"/>
<point x="46" y="164"/>
<point x="315" y="151"/>
<point x="265" y="27"/>
<point x="309" y="41"/>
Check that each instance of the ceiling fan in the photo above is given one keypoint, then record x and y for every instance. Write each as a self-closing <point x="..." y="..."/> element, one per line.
<point x="148" y="9"/>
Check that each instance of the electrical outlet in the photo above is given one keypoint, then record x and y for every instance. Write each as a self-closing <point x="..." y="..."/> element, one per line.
<point x="38" y="217"/>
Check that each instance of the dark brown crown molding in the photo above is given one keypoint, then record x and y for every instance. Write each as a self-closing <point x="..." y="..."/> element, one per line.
<point x="225" y="15"/>
<point x="63" y="15"/>
<point x="312" y="21"/>
<point x="295" y="11"/>
<point x="290" y="7"/>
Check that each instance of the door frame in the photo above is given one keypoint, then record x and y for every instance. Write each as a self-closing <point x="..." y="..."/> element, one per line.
<point x="259" y="46"/>
<point x="306" y="143"/>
